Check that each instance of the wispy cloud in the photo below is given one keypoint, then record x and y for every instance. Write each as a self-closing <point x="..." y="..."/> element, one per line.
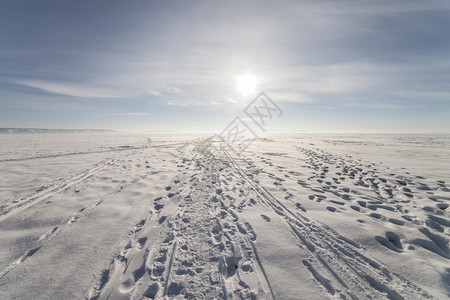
<point x="176" y="103"/>
<point x="385" y="54"/>
<point x="376" y="105"/>
<point x="175" y="90"/>
<point x="291" y="96"/>
<point x="155" y="93"/>
<point x="424" y="95"/>
<point x="166" y="92"/>
<point x="131" y="114"/>
<point x="68" y="89"/>
<point x="192" y="102"/>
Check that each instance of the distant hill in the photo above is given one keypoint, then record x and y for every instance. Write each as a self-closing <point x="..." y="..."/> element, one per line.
<point x="45" y="130"/>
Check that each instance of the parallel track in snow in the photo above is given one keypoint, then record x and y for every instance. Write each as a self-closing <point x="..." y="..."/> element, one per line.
<point x="337" y="263"/>
<point x="46" y="192"/>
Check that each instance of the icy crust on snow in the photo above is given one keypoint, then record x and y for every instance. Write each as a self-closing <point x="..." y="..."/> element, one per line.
<point x="305" y="216"/>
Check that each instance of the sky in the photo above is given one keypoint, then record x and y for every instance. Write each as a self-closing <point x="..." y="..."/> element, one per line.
<point x="331" y="66"/>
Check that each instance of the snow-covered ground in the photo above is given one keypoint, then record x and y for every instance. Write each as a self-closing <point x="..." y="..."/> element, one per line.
<point x="305" y="216"/>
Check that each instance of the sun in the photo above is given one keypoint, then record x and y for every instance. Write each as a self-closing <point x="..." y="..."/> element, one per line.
<point x="246" y="84"/>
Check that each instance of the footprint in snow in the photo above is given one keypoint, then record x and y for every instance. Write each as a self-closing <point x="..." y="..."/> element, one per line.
<point x="331" y="208"/>
<point x="391" y="241"/>
<point x="266" y="218"/>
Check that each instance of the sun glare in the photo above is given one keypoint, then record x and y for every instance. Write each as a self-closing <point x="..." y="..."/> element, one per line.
<point x="246" y="84"/>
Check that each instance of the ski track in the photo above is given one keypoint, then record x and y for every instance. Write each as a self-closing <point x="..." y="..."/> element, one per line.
<point x="48" y="191"/>
<point x="338" y="264"/>
<point x="194" y="242"/>
<point x="43" y="194"/>
<point x="340" y="259"/>
<point x="122" y="148"/>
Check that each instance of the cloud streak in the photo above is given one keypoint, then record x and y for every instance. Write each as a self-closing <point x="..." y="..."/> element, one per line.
<point x="130" y="114"/>
<point x="176" y="60"/>
<point x="68" y="90"/>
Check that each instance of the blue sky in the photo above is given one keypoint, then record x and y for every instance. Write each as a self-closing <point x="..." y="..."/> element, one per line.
<point x="332" y="66"/>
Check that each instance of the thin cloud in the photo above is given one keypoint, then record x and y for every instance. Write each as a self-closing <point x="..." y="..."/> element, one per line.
<point x="290" y="96"/>
<point x="175" y="90"/>
<point x="376" y="105"/>
<point x="155" y="93"/>
<point x="132" y="114"/>
<point x="325" y="53"/>
<point x="166" y="92"/>
<point x="177" y="103"/>
<point x="424" y="95"/>
<point x="67" y="90"/>
<point x="191" y="102"/>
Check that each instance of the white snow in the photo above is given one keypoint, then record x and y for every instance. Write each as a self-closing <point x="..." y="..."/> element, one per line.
<point x="299" y="216"/>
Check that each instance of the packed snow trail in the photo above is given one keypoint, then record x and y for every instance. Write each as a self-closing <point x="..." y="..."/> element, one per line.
<point x="209" y="251"/>
<point x="197" y="220"/>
